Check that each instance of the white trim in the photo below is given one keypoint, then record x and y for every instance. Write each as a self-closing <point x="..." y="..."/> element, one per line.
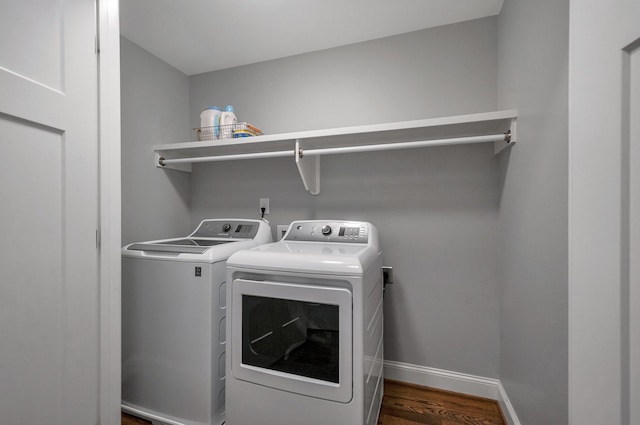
<point x="463" y="383"/>
<point x="507" y="408"/>
<point x="442" y="379"/>
<point x="110" y="209"/>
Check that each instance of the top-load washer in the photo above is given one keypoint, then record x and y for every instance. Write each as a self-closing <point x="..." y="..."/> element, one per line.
<point x="305" y="328"/>
<point x="173" y="322"/>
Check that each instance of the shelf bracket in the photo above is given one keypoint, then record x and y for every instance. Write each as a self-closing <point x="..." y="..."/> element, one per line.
<point x="509" y="138"/>
<point x="309" y="169"/>
<point x="159" y="162"/>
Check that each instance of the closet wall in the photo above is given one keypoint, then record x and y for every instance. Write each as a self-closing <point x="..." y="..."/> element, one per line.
<point x="436" y="208"/>
<point x="155" y="109"/>
<point x="533" y="218"/>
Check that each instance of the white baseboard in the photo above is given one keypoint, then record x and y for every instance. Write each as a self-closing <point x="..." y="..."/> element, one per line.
<point x="506" y="406"/>
<point x="453" y="381"/>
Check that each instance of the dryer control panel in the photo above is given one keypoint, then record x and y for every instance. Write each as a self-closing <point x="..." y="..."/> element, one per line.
<point x="328" y="231"/>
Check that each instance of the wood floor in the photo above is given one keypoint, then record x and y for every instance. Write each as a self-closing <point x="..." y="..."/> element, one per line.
<point x="407" y="404"/>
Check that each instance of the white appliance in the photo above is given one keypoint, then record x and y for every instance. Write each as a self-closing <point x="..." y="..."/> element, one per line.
<point x="305" y="328"/>
<point x="173" y="322"/>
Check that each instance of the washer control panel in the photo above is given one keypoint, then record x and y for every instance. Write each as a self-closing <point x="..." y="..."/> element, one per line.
<point x="328" y="231"/>
<point x="237" y="229"/>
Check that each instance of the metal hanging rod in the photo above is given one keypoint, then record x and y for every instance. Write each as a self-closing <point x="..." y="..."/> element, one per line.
<point x="506" y="137"/>
<point x="502" y="137"/>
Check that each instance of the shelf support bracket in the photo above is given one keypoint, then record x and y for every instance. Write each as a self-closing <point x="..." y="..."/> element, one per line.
<point x="309" y="169"/>
<point x="159" y="162"/>
<point x="509" y="138"/>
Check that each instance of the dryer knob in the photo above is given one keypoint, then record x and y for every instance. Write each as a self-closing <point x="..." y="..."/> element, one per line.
<point x="326" y="230"/>
<point x="226" y="227"/>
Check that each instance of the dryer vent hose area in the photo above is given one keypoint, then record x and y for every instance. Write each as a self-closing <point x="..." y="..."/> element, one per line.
<point x="387" y="276"/>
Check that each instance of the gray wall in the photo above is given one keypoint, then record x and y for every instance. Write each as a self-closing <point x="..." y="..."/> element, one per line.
<point x="155" y="110"/>
<point x="445" y="71"/>
<point x="436" y="208"/>
<point x="533" y="219"/>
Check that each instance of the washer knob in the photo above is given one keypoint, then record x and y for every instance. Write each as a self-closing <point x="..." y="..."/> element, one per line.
<point x="226" y="227"/>
<point x="326" y="230"/>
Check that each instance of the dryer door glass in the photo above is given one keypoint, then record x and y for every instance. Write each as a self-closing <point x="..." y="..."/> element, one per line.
<point x="293" y="337"/>
<point x="297" y="337"/>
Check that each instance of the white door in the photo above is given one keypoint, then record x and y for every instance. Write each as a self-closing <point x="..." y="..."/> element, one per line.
<point x="48" y="213"/>
<point x="604" y="208"/>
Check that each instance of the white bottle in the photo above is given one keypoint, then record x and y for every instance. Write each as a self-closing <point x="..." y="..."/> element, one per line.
<point x="227" y="119"/>
<point x="210" y="123"/>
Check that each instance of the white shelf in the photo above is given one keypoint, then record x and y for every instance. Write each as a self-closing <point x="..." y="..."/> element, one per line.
<point x="307" y="146"/>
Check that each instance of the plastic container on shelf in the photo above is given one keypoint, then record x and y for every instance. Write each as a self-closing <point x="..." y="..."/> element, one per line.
<point x="227" y="121"/>
<point x="210" y="123"/>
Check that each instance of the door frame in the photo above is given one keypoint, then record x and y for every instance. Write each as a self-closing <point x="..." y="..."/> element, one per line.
<point x="109" y="237"/>
<point x="600" y="331"/>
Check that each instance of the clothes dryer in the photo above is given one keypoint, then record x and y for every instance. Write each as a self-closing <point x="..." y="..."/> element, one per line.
<point x="173" y="322"/>
<point x="305" y="328"/>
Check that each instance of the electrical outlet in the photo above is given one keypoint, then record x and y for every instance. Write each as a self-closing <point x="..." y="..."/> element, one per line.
<point x="264" y="203"/>
<point x="281" y="230"/>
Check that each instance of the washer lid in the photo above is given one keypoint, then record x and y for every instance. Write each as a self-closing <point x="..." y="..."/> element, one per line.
<point x="210" y="242"/>
<point x="195" y="242"/>
<point x="179" y="246"/>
